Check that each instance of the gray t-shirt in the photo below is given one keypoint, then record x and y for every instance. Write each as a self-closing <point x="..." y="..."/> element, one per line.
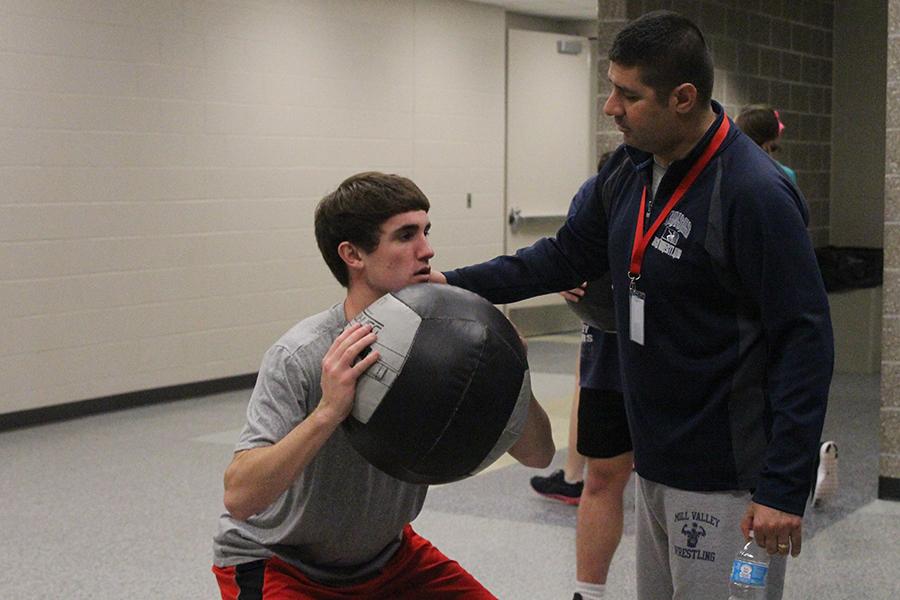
<point x="342" y="519"/>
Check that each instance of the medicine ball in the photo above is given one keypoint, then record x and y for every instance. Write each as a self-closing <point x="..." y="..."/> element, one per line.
<point x="450" y="391"/>
<point x="596" y="306"/>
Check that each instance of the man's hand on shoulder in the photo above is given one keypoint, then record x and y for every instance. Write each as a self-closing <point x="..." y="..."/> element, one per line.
<point x="776" y="531"/>
<point x="436" y="277"/>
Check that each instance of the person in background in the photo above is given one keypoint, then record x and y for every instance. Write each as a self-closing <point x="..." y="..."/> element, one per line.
<point x="763" y="125"/>
<point x="566" y="484"/>
<point x="602" y="443"/>
<point x="604" y="439"/>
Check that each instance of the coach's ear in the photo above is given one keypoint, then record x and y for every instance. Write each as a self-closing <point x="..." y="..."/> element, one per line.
<point x="684" y="98"/>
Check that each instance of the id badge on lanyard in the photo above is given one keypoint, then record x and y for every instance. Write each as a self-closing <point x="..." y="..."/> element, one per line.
<point x="642" y="239"/>
<point x="636" y="315"/>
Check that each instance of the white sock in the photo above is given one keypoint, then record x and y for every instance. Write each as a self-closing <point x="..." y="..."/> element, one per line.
<point x="589" y="591"/>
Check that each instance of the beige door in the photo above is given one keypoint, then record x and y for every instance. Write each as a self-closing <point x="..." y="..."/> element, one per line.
<point x="550" y="149"/>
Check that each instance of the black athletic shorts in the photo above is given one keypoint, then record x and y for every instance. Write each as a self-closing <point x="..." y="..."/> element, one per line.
<point x="602" y="427"/>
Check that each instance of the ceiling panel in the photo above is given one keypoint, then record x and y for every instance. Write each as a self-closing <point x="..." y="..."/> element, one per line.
<point x="560" y="9"/>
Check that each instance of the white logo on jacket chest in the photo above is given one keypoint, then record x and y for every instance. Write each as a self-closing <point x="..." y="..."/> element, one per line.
<point x="676" y="228"/>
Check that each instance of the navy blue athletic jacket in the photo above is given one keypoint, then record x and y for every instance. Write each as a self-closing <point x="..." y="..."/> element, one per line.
<point x="729" y="390"/>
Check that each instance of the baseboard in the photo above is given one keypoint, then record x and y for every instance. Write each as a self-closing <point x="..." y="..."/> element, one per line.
<point x="84" y="408"/>
<point x="544" y="320"/>
<point x="888" y="488"/>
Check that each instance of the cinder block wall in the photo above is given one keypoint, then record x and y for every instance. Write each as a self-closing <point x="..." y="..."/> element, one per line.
<point x="776" y="52"/>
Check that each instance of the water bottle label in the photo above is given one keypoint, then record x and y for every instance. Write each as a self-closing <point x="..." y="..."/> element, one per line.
<point x="747" y="573"/>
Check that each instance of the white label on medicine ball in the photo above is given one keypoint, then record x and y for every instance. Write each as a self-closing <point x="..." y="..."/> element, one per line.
<point x="395" y="324"/>
<point x="514" y="425"/>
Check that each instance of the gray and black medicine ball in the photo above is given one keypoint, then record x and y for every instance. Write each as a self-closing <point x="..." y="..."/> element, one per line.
<point x="450" y="391"/>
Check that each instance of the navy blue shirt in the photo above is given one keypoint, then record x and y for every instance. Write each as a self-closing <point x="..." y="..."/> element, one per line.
<point x="729" y="389"/>
<point x="598" y="365"/>
<point x="599" y="362"/>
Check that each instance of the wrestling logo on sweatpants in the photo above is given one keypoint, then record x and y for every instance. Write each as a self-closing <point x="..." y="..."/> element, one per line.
<point x="695" y="526"/>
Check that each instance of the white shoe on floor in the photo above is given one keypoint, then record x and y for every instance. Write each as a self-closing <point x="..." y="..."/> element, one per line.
<point x="826" y="474"/>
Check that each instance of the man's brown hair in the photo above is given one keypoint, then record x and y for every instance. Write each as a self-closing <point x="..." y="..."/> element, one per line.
<point x="355" y="211"/>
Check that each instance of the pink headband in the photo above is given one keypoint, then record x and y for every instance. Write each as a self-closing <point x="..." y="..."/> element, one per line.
<point x="780" y="124"/>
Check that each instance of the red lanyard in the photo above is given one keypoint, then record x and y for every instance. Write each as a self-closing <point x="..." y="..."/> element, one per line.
<point x="641" y="239"/>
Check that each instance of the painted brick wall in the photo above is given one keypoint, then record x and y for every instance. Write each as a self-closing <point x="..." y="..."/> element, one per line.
<point x="160" y="161"/>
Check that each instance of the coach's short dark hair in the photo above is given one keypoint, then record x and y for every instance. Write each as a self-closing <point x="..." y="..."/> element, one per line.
<point x="355" y="211"/>
<point x="669" y="49"/>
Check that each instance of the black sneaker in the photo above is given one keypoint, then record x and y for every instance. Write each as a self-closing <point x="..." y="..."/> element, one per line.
<point x="556" y="487"/>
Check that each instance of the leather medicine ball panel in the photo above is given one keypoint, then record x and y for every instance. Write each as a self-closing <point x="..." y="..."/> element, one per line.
<point x="453" y="393"/>
<point x="596" y="306"/>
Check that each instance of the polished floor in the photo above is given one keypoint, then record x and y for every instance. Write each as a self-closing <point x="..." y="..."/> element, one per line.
<point x="123" y="506"/>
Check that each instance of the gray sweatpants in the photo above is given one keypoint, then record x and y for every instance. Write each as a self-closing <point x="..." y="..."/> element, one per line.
<point x="686" y="542"/>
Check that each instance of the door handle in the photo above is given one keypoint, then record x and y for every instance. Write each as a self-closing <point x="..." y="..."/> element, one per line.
<point x="517" y="219"/>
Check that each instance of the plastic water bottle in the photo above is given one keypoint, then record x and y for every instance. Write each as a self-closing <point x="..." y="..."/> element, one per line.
<point x="748" y="572"/>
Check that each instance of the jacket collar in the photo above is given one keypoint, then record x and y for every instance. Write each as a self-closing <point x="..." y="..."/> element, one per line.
<point x="644" y="160"/>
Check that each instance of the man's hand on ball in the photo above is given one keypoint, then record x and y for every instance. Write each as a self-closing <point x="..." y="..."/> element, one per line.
<point x="341" y="369"/>
<point x="575" y="294"/>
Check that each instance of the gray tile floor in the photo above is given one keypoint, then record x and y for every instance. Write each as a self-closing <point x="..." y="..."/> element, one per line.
<point x="123" y="505"/>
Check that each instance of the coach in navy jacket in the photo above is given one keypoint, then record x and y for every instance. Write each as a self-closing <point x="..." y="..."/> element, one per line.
<point x="728" y="389"/>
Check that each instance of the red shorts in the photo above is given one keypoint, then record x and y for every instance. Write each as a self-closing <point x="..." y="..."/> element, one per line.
<point x="418" y="570"/>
